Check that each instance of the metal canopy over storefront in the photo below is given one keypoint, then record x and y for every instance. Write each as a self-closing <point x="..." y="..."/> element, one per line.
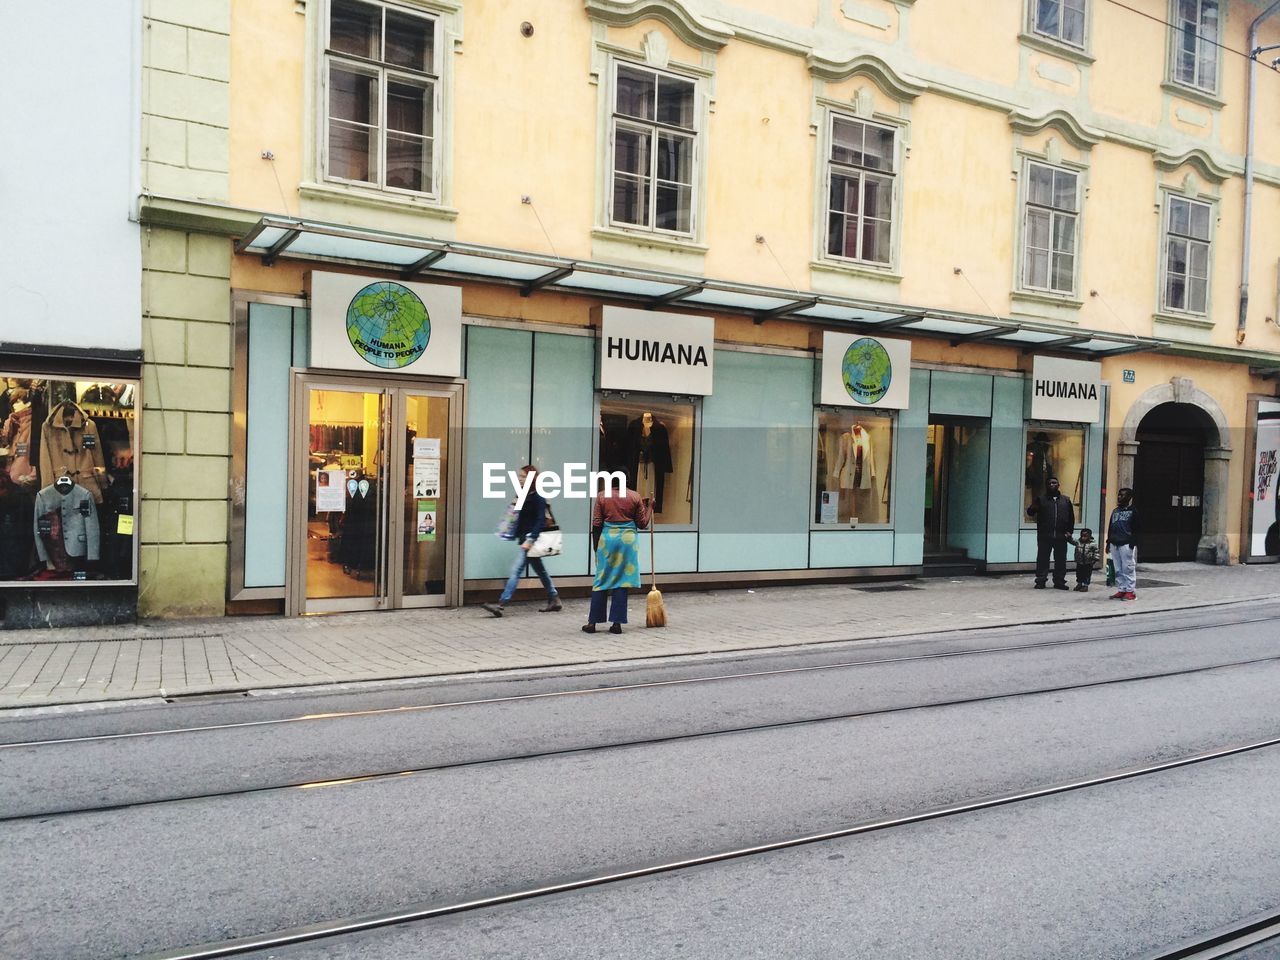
<point x="416" y="258"/>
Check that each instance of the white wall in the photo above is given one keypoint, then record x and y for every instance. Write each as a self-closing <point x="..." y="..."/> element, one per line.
<point x="70" y="257"/>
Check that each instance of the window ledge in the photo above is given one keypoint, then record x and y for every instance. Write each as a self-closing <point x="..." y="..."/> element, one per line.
<point x="376" y="198"/>
<point x="644" y="238"/>
<point x="1056" y="48"/>
<point x="1194" y="320"/>
<point x="1042" y="298"/>
<point x="854" y="268"/>
<point x="1195" y="94"/>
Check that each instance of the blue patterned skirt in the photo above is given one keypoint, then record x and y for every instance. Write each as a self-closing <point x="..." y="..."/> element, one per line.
<point x="618" y="557"/>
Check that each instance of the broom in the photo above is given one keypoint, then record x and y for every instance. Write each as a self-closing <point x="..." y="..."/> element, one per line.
<point x="655" y="612"/>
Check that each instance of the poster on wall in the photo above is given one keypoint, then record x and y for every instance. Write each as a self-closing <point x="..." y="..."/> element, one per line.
<point x="1265" y="539"/>
<point x="372" y="324"/>
<point x="656" y="352"/>
<point x="427" y="516"/>
<point x="331" y="491"/>
<point x="1067" y="390"/>
<point x="426" y="477"/>
<point x="863" y="371"/>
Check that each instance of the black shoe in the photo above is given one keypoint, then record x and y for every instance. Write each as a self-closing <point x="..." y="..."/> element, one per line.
<point x="553" y="606"/>
<point x="1081" y="588"/>
<point x="495" y="608"/>
<point x="1039" y="585"/>
<point x="616" y="628"/>
<point x="588" y="628"/>
<point x="1061" y="586"/>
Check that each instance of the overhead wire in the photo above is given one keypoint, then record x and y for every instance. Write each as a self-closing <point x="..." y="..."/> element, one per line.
<point x="1248" y="55"/>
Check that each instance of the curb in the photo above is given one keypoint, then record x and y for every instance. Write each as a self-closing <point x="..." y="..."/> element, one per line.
<point x="160" y="696"/>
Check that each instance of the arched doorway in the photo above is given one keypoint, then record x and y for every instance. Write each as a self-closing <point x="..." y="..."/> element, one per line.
<point x="1169" y="480"/>
<point x="1179" y="415"/>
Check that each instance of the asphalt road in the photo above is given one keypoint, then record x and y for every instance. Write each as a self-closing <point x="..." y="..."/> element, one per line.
<point x="559" y="786"/>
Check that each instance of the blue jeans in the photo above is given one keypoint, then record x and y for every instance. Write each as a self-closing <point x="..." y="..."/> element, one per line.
<point x="617" y="608"/>
<point x="517" y="571"/>
<point x="1125" y="557"/>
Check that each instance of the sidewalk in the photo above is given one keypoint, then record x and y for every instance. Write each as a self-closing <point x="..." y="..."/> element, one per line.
<point x="170" y="658"/>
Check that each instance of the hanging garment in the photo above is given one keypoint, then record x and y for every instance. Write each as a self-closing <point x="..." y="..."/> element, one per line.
<point x="66" y="526"/>
<point x="652" y="449"/>
<point x="16" y="436"/>
<point x="15" y="529"/>
<point x="71" y="445"/>
<point x="855" y="464"/>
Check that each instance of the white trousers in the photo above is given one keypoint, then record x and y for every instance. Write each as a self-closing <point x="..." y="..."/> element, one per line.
<point x="1126" y="560"/>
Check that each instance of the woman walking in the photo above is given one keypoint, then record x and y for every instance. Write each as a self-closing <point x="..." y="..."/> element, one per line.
<point x="615" y="529"/>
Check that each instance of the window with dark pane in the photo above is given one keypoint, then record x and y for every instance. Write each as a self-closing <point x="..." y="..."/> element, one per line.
<point x="382" y="96"/>
<point x="1060" y="20"/>
<point x="1050" y="222"/>
<point x="860" y="202"/>
<point x="1186" y="264"/>
<point x="1196" y="43"/>
<point x="654" y="140"/>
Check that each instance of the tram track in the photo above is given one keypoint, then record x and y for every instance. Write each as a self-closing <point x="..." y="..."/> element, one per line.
<point x="1228" y="941"/>
<point x="1245" y="939"/>
<point x="330" y="716"/>
<point x="368" y="777"/>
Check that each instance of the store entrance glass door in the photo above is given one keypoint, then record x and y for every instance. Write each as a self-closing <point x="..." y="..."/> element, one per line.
<point x="374" y="475"/>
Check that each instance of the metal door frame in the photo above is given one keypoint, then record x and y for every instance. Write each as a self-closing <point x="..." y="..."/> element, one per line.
<point x="389" y="554"/>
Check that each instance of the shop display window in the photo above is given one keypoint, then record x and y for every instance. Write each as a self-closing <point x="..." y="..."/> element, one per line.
<point x="67" y="452"/>
<point x="1053" y="452"/>
<point x="652" y="442"/>
<point x="853" y="468"/>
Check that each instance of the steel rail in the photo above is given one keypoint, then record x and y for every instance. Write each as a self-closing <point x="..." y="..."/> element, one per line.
<point x="423" y="912"/>
<point x="1224" y="942"/>
<point x="624" y="687"/>
<point x="627" y="744"/>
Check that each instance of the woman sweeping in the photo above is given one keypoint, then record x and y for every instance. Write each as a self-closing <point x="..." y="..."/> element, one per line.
<point x="615" y="529"/>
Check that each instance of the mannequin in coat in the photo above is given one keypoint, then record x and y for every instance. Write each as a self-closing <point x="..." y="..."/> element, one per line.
<point x="649" y="456"/>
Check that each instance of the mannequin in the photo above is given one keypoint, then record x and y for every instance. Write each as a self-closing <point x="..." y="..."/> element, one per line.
<point x="15" y="434"/>
<point x="855" y="462"/>
<point x="70" y="444"/>
<point x="1039" y="464"/>
<point x="649" y="452"/>
<point x="66" y="525"/>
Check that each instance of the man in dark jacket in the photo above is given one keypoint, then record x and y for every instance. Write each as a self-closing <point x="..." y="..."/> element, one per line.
<point x="533" y="517"/>
<point x="1055" y="523"/>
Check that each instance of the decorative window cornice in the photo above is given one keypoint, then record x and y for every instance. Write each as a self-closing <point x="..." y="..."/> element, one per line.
<point x="693" y="30"/>
<point x="1209" y="168"/>
<point x="885" y="77"/>
<point x="1076" y="133"/>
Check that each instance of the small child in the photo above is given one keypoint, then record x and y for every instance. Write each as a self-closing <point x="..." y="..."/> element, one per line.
<point x="1086" y="557"/>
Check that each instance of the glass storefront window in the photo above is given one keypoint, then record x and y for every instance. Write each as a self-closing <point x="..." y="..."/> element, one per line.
<point x="854" y="467"/>
<point x="1053" y="452"/>
<point x="67" y="452"/>
<point x="652" y="442"/>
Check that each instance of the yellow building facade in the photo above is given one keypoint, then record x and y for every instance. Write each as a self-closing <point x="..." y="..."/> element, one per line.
<point x="993" y="188"/>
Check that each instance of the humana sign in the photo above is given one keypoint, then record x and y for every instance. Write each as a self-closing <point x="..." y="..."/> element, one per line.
<point x="1066" y="390"/>
<point x="656" y="351"/>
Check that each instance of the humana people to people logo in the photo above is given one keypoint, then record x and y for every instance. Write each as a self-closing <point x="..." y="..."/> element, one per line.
<point x="867" y="370"/>
<point x="388" y="325"/>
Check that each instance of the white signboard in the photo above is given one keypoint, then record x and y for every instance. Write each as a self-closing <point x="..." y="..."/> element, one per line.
<point x="426" y="477"/>
<point x="365" y="323"/>
<point x="426" y="447"/>
<point x="656" y="352"/>
<point x="331" y="491"/>
<point x="1066" y="390"/>
<point x="1265" y="538"/>
<point x="864" y="371"/>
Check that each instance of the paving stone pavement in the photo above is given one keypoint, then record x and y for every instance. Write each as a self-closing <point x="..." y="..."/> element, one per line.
<point x="172" y="658"/>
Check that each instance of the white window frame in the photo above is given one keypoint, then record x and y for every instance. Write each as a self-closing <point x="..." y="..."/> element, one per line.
<point x="383" y="72"/>
<point x="1055" y="213"/>
<point x="654" y="127"/>
<point x="1176" y="32"/>
<point x="1167" y="235"/>
<point x="830" y="167"/>
<point x="1033" y="24"/>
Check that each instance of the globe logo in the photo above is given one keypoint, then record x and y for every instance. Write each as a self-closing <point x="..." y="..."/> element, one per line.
<point x="388" y="325"/>
<point x="867" y="370"/>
